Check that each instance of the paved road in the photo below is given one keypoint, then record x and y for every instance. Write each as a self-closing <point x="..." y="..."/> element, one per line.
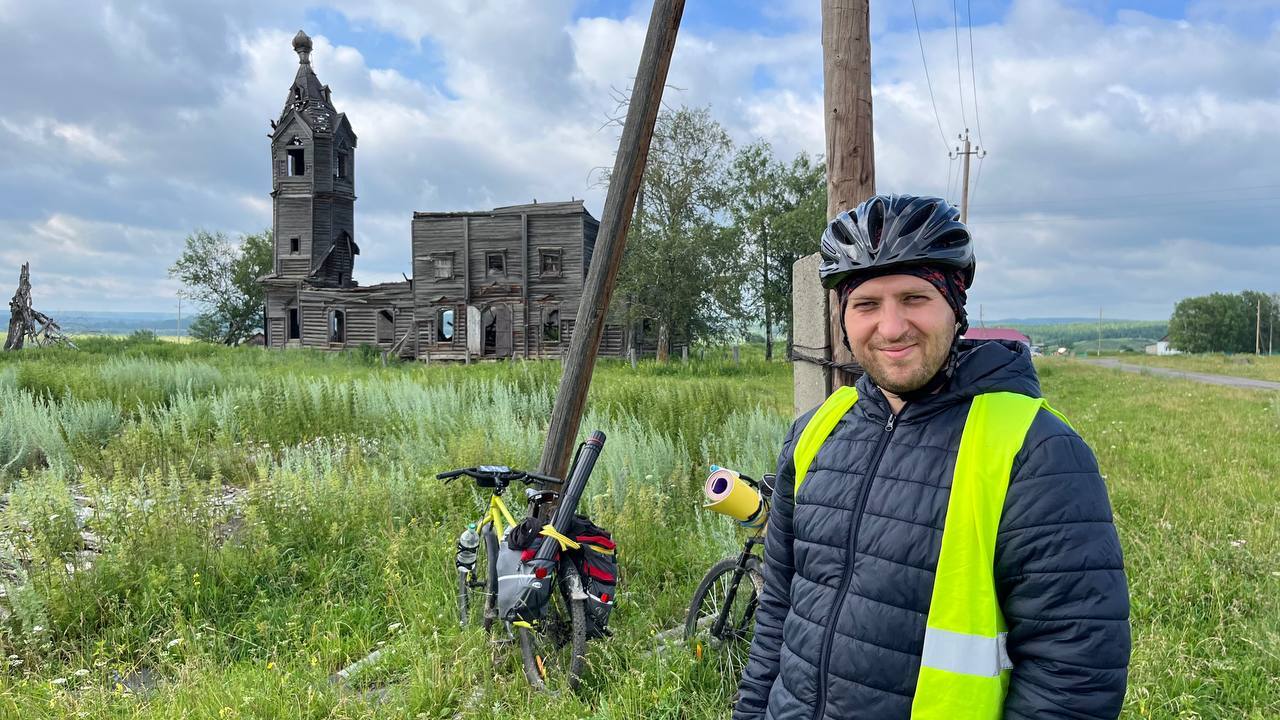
<point x="1198" y="377"/>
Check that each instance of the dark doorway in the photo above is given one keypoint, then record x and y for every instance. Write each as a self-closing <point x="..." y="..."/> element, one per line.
<point x="386" y="326"/>
<point x="496" y="323"/>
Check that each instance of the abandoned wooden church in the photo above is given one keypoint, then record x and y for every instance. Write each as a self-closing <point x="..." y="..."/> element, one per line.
<point x="489" y="284"/>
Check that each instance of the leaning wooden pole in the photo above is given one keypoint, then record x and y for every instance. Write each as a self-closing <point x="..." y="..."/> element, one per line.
<point x="624" y="184"/>
<point x="851" y="173"/>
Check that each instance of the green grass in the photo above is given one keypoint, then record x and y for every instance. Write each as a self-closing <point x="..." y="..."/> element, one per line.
<point x="342" y="540"/>
<point x="1248" y="366"/>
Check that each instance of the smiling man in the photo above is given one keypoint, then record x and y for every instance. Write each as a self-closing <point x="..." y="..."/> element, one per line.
<point x="941" y="543"/>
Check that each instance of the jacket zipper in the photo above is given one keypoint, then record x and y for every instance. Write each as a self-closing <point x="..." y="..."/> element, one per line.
<point x="848" y="570"/>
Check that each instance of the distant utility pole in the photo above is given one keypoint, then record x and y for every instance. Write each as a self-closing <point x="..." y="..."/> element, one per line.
<point x="969" y="151"/>
<point x="177" y="330"/>
<point x="1099" y="330"/>
<point x="1257" y="332"/>
<point x="846" y="99"/>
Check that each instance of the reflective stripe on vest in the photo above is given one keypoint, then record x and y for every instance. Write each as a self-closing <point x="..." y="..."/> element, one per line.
<point x="964" y="668"/>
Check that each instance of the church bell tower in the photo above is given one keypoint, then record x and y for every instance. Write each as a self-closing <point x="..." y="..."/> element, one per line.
<point x="313" y="183"/>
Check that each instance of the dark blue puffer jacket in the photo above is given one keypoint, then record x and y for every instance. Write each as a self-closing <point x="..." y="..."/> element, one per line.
<point x="849" y="564"/>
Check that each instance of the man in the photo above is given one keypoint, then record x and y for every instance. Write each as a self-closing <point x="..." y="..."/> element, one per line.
<point x="940" y="543"/>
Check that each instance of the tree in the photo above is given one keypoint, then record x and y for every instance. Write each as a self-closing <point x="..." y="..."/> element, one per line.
<point x="222" y="277"/>
<point x="681" y="267"/>
<point x="1219" y="322"/>
<point x="756" y="199"/>
<point x="778" y="213"/>
<point x="796" y="230"/>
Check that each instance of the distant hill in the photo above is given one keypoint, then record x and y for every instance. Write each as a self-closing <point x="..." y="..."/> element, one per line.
<point x="97" y="322"/>
<point x="1014" y="322"/>
<point x="1135" y="334"/>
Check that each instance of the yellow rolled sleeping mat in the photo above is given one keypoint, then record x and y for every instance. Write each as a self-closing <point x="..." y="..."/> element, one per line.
<point x="729" y="494"/>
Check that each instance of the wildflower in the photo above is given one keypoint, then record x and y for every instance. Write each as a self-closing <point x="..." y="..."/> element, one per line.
<point x="1237" y="543"/>
<point x="172" y="643"/>
<point x="58" y="681"/>
<point x="271" y="665"/>
<point x="81" y="672"/>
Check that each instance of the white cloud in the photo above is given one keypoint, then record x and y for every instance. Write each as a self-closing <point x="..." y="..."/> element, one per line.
<point x="166" y="130"/>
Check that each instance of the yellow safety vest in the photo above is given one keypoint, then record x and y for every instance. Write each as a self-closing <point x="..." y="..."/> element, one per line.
<point x="964" y="669"/>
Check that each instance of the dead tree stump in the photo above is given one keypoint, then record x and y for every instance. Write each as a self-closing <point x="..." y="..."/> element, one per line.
<point x="23" y="319"/>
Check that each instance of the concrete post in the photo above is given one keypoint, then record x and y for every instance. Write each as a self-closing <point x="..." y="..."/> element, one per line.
<point x="812" y="383"/>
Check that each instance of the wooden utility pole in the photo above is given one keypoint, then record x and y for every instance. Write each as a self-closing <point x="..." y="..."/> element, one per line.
<point x="851" y="175"/>
<point x="1257" y="332"/>
<point x="969" y="151"/>
<point x="624" y="185"/>
<point x="1099" y="332"/>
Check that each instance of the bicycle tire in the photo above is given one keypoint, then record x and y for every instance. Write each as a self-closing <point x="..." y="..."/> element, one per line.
<point x="464" y="597"/>
<point x="554" y="653"/>
<point x="491" y="580"/>
<point x="734" y="643"/>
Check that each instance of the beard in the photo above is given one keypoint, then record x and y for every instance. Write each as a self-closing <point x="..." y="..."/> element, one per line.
<point x="914" y="372"/>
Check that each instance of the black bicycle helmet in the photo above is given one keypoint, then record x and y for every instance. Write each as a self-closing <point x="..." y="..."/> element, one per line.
<point x="888" y="231"/>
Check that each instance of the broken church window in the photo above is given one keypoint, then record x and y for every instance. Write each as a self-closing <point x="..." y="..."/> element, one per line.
<point x="297" y="162"/>
<point x="549" y="262"/>
<point x="337" y="326"/>
<point x="444" y="326"/>
<point x="495" y="263"/>
<point x="551" y="327"/>
<point x="442" y="264"/>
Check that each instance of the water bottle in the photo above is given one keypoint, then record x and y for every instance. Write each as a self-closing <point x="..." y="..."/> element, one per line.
<point x="468" y="541"/>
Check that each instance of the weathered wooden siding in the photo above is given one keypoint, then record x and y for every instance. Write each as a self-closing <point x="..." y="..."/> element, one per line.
<point x="321" y="169"/>
<point x="495" y="234"/>
<point x="293" y="220"/>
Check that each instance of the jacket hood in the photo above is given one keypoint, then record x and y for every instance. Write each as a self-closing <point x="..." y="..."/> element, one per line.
<point x="982" y="366"/>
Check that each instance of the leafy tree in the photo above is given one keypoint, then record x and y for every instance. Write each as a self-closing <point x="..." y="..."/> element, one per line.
<point x="778" y="212"/>
<point x="222" y="277"/>
<point x="681" y="266"/>
<point x="1220" y="322"/>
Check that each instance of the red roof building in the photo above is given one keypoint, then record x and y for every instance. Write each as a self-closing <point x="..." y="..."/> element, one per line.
<point x="996" y="334"/>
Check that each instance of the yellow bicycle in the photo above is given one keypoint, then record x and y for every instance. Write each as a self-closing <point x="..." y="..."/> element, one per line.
<point x="549" y="616"/>
<point x="490" y="528"/>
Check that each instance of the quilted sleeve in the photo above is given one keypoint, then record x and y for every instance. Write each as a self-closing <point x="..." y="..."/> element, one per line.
<point x="766" y="645"/>
<point x="1061" y="582"/>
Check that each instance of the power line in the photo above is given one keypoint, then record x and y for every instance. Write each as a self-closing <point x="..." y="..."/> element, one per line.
<point x="950" y="166"/>
<point x="973" y="193"/>
<point x="974" y="76"/>
<point x="941" y="135"/>
<point x="959" y="83"/>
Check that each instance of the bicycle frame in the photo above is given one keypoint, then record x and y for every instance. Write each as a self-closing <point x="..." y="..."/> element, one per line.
<point x="738" y="571"/>
<point x="496" y="515"/>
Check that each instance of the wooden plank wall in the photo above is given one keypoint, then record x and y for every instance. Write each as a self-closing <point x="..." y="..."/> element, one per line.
<point x="294" y="220"/>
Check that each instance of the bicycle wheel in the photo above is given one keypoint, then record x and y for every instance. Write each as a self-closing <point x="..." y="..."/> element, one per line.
<point x="554" y="652"/>
<point x="464" y="597"/>
<point x="490" y="587"/>
<point x="475" y="593"/>
<point x="730" y="646"/>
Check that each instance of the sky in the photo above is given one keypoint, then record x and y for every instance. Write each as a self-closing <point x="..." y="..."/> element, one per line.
<point x="1132" y="148"/>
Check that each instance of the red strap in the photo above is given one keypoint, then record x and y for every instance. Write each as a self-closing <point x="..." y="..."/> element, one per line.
<point x="600" y="540"/>
<point x="598" y="574"/>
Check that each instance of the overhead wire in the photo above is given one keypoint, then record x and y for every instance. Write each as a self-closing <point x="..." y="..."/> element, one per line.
<point x="977" y="179"/>
<point x="929" y="83"/>
<point x="951" y="166"/>
<point x="977" y="119"/>
<point x="959" y="83"/>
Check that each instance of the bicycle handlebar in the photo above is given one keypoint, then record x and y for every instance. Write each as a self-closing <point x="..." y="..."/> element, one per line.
<point x="497" y="473"/>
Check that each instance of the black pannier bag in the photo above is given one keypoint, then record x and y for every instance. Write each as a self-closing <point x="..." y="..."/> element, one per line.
<point x="597" y="562"/>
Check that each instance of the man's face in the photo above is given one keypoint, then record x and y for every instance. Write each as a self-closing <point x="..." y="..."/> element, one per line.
<point x="900" y="328"/>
